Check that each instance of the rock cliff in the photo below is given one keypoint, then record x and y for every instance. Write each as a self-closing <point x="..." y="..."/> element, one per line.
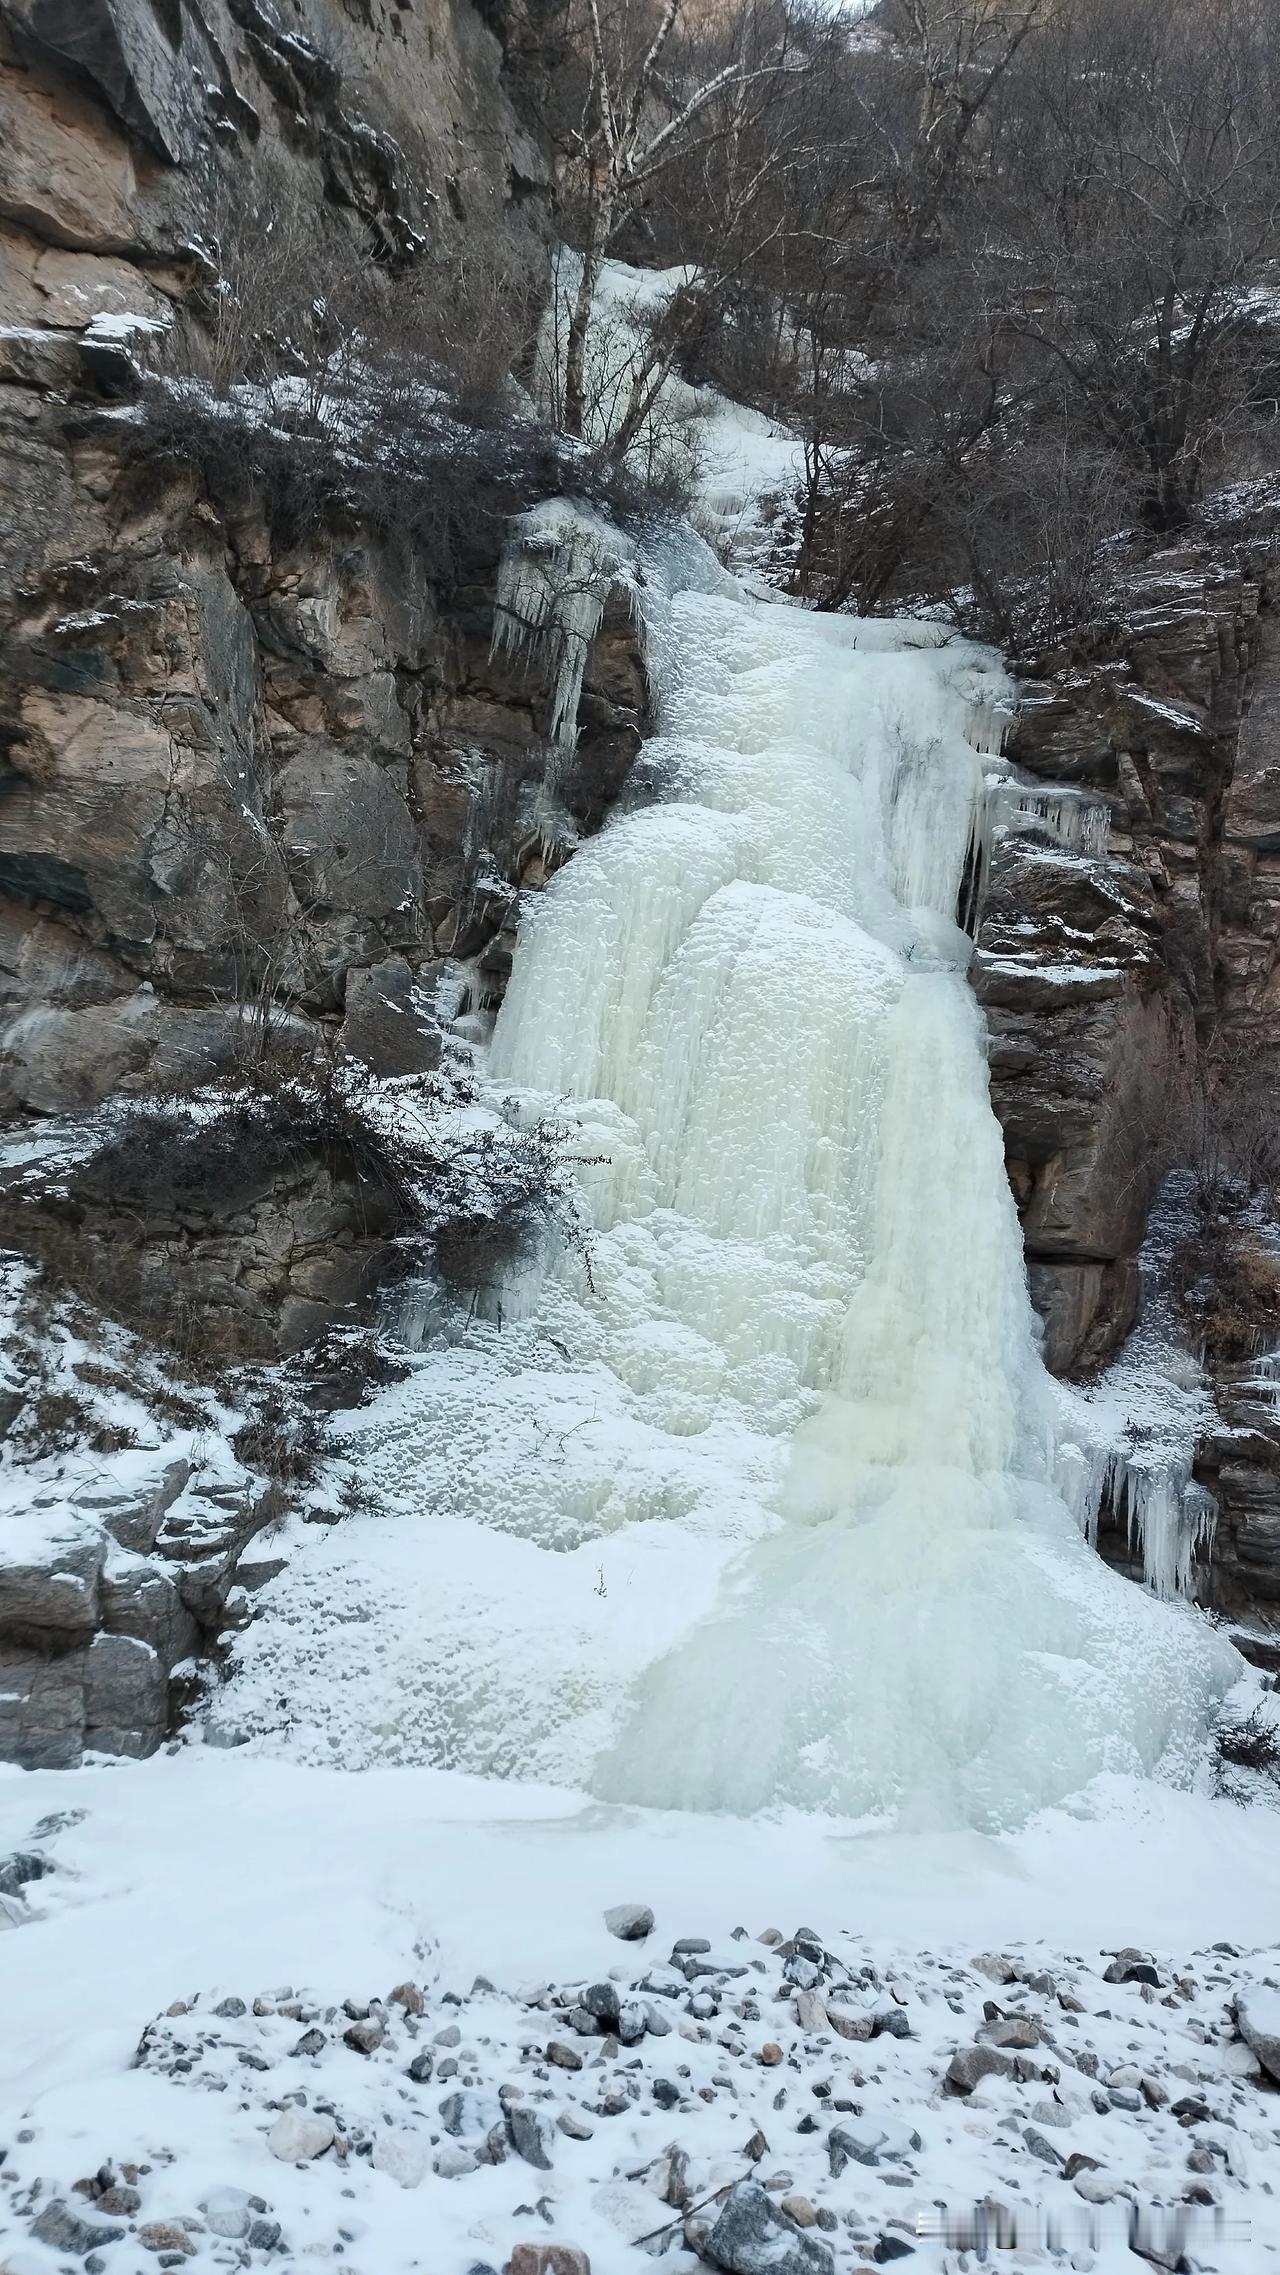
<point x="1126" y="960"/>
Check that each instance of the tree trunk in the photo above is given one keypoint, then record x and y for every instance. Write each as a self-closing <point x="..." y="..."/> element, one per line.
<point x="599" y="229"/>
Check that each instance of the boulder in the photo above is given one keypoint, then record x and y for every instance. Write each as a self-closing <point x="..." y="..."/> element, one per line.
<point x="49" y="1593"/>
<point x="1258" y="2021"/>
<point x="752" y="2236"/>
<point x="126" y="1706"/>
<point x="389" y="1024"/>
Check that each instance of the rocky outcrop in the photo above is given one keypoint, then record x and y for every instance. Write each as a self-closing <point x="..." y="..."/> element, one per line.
<point x="237" y="770"/>
<point x="1127" y="953"/>
<point x="1106" y="958"/>
<point x="237" y="775"/>
<point x="104" y="1598"/>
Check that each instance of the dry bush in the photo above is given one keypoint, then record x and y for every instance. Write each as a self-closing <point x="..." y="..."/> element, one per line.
<point x="1228" y="1287"/>
<point x="1252" y="1744"/>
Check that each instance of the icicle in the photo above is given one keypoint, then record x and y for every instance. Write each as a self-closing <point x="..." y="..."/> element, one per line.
<point x="1009" y="805"/>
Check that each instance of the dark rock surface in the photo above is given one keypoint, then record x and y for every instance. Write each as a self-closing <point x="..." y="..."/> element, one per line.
<point x="1119" y="974"/>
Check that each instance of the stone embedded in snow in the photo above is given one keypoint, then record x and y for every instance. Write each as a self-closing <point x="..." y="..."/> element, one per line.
<point x="549" y="2259"/>
<point x="574" y="2126"/>
<point x="451" y="2161"/>
<point x="403" y="2155"/>
<point x="1020" y="2030"/>
<point x="65" y="2230"/>
<point x="365" y="2037"/>
<point x="1040" y="2146"/>
<point x="1098" y="2186"/>
<point x="849" y="2025"/>
<point x="657" y="2021"/>
<point x="811" y="2011"/>
<point x="970" y="2064"/>
<point x="601" y="2000"/>
<point x="1258" y="2021"/>
<point x="752" y="2237"/>
<point x="166" y="2236"/>
<point x="469" y="2115"/>
<point x="856" y="2139"/>
<point x="996" y="1966"/>
<point x="633" y="2021"/>
<point x="531" y="2134"/>
<point x="228" y="2212"/>
<point x="629" y="1922"/>
<point x="297" y="2136"/>
<point x="563" y="2057"/>
<point x="799" y="2209"/>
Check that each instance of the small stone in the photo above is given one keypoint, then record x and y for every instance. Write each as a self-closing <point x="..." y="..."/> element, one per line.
<point x="666" y="2094"/>
<point x="996" y="1966"/>
<point x="633" y="2021"/>
<point x="772" y="1936"/>
<point x="601" y="2000"/>
<point x="1257" y="2014"/>
<point x="563" y="2057"/>
<point x="403" y="2155"/>
<point x="1097" y="2186"/>
<point x="1040" y="2146"/>
<point x="264" y="2235"/>
<point x="1015" y="2030"/>
<point x="470" y="2115"/>
<point x="452" y="2161"/>
<point x="629" y="1922"/>
<point x="770" y="2053"/>
<point x="530" y="2133"/>
<point x="858" y="2141"/>
<point x="752" y="2235"/>
<point x="657" y="2020"/>
<point x="228" y="2212"/>
<point x="420" y="2069"/>
<point x="574" y="2125"/>
<point x="365" y="2037"/>
<point x="64" y="2230"/>
<point x="230" y="2010"/>
<point x="297" y="2136"/>
<point x="690" y="1946"/>
<point x="811" y="2011"/>
<point x="969" y="2064"/>
<point x="449" y="2036"/>
<point x="799" y="2209"/>
<point x="892" y="2247"/>
<point x="846" y="2025"/>
<point x="408" y="1996"/>
<point x="549" y="2259"/>
<point x="1132" y="1966"/>
<point x="166" y="2235"/>
<point x="118" y="2199"/>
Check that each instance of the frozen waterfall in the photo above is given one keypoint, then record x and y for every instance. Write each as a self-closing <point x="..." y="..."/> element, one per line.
<point x="757" y="1511"/>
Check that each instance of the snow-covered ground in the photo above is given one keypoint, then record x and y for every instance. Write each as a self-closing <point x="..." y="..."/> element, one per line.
<point x="211" y="1877"/>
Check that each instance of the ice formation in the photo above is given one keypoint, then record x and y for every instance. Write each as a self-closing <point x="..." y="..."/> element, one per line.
<point x="760" y="1510"/>
<point x="1126" y="1443"/>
